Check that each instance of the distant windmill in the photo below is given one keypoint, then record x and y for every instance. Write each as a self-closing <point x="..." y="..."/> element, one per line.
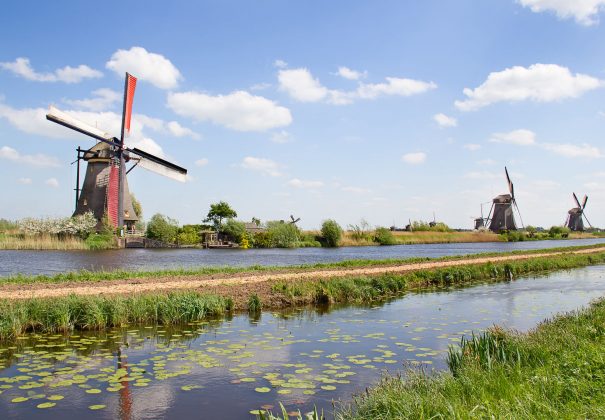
<point x="480" y="221"/>
<point x="576" y="215"/>
<point x="434" y="222"/>
<point x="501" y="215"/>
<point x="293" y="221"/>
<point x="105" y="188"/>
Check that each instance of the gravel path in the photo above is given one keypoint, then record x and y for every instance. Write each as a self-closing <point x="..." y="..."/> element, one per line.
<point x="248" y="281"/>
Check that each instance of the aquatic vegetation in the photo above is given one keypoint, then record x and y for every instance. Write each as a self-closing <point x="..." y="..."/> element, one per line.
<point x="254" y="304"/>
<point x="268" y="415"/>
<point x="553" y="371"/>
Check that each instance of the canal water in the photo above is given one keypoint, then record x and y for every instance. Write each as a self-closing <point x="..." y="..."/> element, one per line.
<point x="227" y="368"/>
<point x="52" y="262"/>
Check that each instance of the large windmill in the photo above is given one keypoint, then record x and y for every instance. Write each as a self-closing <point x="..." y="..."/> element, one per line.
<point x="576" y="216"/>
<point x="501" y="215"/>
<point x="105" y="189"/>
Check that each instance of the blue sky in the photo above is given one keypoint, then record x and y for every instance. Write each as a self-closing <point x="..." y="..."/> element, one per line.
<point x="386" y="111"/>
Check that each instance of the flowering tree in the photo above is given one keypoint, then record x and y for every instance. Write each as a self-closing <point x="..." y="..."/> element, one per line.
<point x="81" y="225"/>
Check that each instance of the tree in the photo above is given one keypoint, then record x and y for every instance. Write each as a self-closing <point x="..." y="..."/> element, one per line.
<point x="218" y="212"/>
<point x="136" y="205"/>
<point x="331" y="233"/>
<point x="162" y="228"/>
<point x="282" y="235"/>
<point x="234" y="229"/>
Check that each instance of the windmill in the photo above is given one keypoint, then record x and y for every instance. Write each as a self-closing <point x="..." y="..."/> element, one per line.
<point x="105" y="188"/>
<point x="576" y="215"/>
<point x="293" y="221"/>
<point x="480" y="221"/>
<point x="501" y="215"/>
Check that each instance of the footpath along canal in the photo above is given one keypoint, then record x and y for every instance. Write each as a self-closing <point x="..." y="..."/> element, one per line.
<point x="227" y="368"/>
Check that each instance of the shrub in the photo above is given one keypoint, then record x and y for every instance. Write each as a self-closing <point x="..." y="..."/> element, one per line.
<point x="384" y="236"/>
<point x="282" y="235"/>
<point x="261" y="240"/>
<point x="559" y="232"/>
<point x="97" y="242"/>
<point x="331" y="233"/>
<point x="162" y="228"/>
<point x="189" y="235"/>
<point x="234" y="229"/>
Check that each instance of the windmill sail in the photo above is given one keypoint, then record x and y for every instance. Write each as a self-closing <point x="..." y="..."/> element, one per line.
<point x="160" y="166"/>
<point x="576" y="215"/>
<point x="57" y="116"/>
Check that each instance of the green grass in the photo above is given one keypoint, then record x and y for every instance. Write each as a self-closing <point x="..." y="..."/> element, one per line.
<point x="555" y="371"/>
<point x="99" y="312"/>
<point x="94" y="276"/>
<point x="362" y="289"/>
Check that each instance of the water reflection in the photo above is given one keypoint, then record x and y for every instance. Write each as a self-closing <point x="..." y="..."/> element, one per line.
<point x="52" y="262"/>
<point x="226" y="368"/>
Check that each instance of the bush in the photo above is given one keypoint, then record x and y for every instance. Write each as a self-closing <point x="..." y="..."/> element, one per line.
<point x="559" y="232"/>
<point x="189" y="235"/>
<point x="331" y="233"/>
<point x="261" y="240"/>
<point x="162" y="228"/>
<point x="282" y="235"/>
<point x="81" y="225"/>
<point x="384" y="236"/>
<point x="97" y="242"/>
<point x="234" y="229"/>
<point x="420" y="226"/>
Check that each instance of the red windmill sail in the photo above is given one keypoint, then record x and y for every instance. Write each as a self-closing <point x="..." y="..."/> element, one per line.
<point x="129" y="88"/>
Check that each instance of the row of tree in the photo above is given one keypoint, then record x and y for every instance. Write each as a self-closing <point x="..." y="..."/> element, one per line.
<point x="221" y="218"/>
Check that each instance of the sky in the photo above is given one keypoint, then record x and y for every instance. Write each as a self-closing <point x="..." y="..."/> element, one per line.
<point x="386" y="111"/>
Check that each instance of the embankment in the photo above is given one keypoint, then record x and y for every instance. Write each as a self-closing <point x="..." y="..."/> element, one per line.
<point x="56" y="304"/>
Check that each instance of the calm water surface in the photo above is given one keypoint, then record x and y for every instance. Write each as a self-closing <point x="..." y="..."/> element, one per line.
<point x="52" y="262"/>
<point x="226" y="368"/>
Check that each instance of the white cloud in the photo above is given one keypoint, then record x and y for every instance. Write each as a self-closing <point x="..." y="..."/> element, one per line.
<point x="349" y="74"/>
<point x="281" y="137"/>
<point x="178" y="130"/>
<point x="266" y="166"/>
<point x="583" y="11"/>
<point x="394" y="86"/>
<point x="538" y="82"/>
<point x="24" y="181"/>
<point x="22" y="67"/>
<point x="102" y="100"/>
<point x="280" y="64"/>
<point x="473" y="147"/>
<point x="520" y="137"/>
<point x="151" y="67"/>
<point x="445" y="121"/>
<point x="39" y="159"/>
<point x="239" y="110"/>
<point x="299" y="183"/>
<point x="52" y="182"/>
<point x="415" y="158"/>
<point x="201" y="162"/>
<point x="574" y="151"/>
<point x="300" y="85"/>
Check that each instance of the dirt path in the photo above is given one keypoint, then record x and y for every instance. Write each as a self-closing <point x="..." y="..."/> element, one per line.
<point x="243" y="283"/>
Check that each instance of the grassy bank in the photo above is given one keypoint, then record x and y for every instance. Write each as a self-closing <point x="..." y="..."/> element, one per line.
<point x="84" y="312"/>
<point x="371" y="288"/>
<point x="555" y="371"/>
<point x="96" y="276"/>
<point x="94" y="313"/>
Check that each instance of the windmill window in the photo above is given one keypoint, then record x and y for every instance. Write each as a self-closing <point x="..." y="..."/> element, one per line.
<point x="85" y="202"/>
<point x="126" y="213"/>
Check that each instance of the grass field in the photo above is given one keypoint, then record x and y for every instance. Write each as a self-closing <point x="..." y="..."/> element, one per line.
<point x="41" y="242"/>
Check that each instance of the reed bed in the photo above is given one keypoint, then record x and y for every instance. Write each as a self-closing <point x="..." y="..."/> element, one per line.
<point x="554" y="371"/>
<point x="41" y="242"/>
<point x="99" y="312"/>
